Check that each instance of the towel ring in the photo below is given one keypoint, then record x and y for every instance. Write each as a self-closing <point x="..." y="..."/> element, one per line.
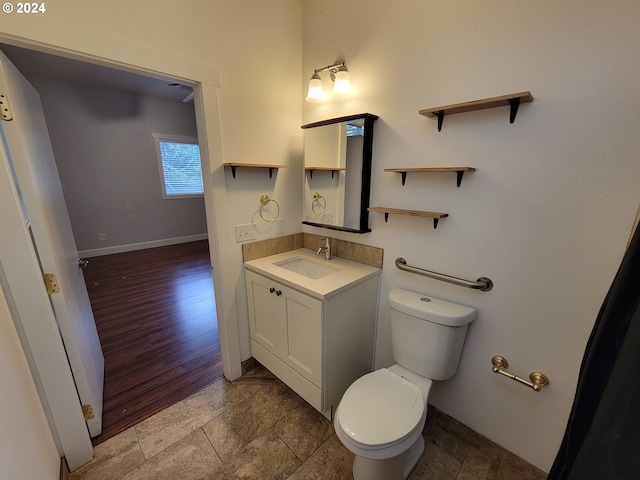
<point x="264" y="201"/>
<point x="319" y="204"/>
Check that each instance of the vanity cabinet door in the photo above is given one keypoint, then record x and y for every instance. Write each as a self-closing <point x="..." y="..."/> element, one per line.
<point x="266" y="313"/>
<point x="288" y="324"/>
<point x="303" y="315"/>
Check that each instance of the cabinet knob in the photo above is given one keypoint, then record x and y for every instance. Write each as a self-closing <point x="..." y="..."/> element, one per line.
<point x="278" y="292"/>
<point x="271" y="290"/>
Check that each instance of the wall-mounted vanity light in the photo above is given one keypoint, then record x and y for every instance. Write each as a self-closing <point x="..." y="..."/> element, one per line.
<point x="340" y="77"/>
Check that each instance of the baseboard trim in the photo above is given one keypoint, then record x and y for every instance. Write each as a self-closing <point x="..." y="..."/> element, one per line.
<point x="97" y="252"/>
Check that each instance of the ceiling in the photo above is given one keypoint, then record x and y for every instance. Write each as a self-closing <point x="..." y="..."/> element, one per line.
<point x="37" y="63"/>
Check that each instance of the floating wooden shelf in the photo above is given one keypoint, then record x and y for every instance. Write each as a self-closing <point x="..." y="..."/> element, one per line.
<point x="414" y="213"/>
<point x="514" y="100"/>
<point x="324" y="169"/>
<point x="459" y="171"/>
<point x="252" y="165"/>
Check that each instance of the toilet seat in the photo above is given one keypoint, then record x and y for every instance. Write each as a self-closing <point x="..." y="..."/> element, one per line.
<point x="379" y="411"/>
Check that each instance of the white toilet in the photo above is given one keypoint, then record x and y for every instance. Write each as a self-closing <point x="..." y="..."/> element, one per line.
<point x="381" y="415"/>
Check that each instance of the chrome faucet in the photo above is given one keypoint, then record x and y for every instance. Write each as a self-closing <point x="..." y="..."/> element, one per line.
<point x="326" y="248"/>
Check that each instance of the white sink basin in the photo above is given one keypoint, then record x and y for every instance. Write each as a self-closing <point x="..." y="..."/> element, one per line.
<point x="308" y="268"/>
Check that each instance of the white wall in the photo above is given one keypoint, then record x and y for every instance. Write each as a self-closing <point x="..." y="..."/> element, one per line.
<point x="107" y="162"/>
<point x="257" y="46"/>
<point x="254" y="117"/>
<point x="27" y="449"/>
<point x="547" y="213"/>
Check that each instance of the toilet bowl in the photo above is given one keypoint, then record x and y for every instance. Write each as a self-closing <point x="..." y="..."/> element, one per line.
<point x="382" y="414"/>
<point x="387" y="447"/>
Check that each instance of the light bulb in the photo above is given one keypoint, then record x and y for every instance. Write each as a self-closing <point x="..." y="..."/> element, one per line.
<point x="342" y="85"/>
<point x="315" y="93"/>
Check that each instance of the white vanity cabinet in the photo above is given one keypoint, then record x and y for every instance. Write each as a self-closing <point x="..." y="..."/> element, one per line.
<point x="316" y="344"/>
<point x="288" y="324"/>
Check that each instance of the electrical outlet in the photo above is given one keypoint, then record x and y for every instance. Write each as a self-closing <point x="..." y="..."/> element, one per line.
<point x="329" y="218"/>
<point x="279" y="226"/>
<point x="246" y="232"/>
<point x="103" y="236"/>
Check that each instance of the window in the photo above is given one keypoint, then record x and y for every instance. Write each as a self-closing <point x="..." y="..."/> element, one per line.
<point x="179" y="162"/>
<point x="355" y="130"/>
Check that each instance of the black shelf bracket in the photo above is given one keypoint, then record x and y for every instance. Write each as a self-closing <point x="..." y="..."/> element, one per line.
<point x="435" y="223"/>
<point x="459" y="175"/>
<point x="440" y="116"/>
<point x="311" y="173"/>
<point x="233" y="171"/>
<point x="235" y="166"/>
<point x="386" y="217"/>
<point x="514" y="103"/>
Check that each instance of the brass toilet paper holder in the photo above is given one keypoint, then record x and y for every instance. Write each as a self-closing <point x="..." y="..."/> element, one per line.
<point x="538" y="379"/>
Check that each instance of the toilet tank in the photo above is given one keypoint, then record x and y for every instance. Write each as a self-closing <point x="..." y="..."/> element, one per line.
<point x="427" y="334"/>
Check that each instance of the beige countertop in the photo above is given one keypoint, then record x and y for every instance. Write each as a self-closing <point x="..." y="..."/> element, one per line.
<point x="343" y="272"/>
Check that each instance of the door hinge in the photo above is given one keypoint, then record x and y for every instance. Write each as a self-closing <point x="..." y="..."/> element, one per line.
<point x="51" y="283"/>
<point x="4" y="108"/>
<point x="87" y="412"/>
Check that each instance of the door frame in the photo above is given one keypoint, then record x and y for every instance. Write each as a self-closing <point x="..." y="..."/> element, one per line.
<point x="205" y="80"/>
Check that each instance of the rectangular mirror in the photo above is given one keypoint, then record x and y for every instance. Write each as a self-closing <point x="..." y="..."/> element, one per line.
<point x="337" y="182"/>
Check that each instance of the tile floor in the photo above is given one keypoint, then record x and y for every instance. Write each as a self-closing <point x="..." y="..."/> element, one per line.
<point x="256" y="427"/>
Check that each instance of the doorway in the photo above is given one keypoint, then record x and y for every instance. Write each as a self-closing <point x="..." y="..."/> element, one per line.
<point x="158" y="397"/>
<point x="160" y="338"/>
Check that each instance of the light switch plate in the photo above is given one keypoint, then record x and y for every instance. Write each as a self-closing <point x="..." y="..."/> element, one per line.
<point x="246" y="232"/>
<point x="279" y="226"/>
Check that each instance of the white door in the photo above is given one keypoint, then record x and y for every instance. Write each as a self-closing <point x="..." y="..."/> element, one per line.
<point x="28" y="147"/>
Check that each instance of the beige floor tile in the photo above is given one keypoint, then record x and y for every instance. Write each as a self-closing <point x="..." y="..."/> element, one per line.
<point x="481" y="458"/>
<point x="251" y="383"/>
<point x="113" y="458"/>
<point x="304" y="430"/>
<point x="435" y="464"/>
<point x="265" y="458"/>
<point x="445" y="439"/>
<point x="192" y="458"/>
<point x="475" y="467"/>
<point x="510" y="466"/>
<point x="332" y="461"/>
<point x="454" y="437"/>
<point x="257" y="428"/>
<point x="170" y="425"/>
<point x="235" y="428"/>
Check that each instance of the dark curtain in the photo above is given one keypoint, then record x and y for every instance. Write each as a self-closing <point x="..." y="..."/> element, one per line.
<point x="602" y="440"/>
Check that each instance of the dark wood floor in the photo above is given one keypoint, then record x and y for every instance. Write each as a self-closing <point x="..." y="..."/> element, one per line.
<point x="156" y="319"/>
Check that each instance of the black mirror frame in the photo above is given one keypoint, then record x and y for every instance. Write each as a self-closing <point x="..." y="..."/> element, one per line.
<point x="367" y="158"/>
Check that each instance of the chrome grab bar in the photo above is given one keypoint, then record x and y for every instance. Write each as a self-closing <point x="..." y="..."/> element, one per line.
<point x="483" y="284"/>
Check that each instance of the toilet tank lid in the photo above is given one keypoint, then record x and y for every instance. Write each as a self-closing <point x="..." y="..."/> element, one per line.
<point x="430" y="308"/>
